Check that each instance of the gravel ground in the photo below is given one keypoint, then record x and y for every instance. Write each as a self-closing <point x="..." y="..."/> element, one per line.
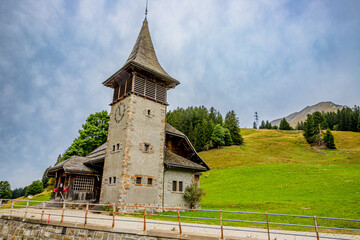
<point x="131" y="223"/>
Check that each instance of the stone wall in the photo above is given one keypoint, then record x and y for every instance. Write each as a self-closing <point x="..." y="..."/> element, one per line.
<point x="33" y="230"/>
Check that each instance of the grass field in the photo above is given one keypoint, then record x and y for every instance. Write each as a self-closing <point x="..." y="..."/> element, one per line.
<point x="278" y="172"/>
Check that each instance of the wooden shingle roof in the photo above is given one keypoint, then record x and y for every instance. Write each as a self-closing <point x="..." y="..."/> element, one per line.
<point x="174" y="160"/>
<point x="75" y="164"/>
<point x="143" y="56"/>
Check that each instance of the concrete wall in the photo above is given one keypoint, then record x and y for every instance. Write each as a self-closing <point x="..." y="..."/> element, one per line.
<point x="176" y="199"/>
<point x="32" y="230"/>
<point x="143" y="123"/>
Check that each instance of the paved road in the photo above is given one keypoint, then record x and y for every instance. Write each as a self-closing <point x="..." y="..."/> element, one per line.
<point x="137" y="224"/>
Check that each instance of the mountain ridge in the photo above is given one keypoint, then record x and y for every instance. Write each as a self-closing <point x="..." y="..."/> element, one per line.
<point x="301" y="115"/>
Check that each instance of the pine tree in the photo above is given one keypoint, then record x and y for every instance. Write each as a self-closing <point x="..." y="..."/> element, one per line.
<point x="227" y="137"/>
<point x="256" y="115"/>
<point x="254" y="125"/>
<point x="329" y="139"/>
<point x="309" y="129"/>
<point x="232" y="123"/>
<point x="318" y="119"/>
<point x="268" y="125"/>
<point x="284" y="125"/>
<point x="262" y="125"/>
<point x="358" y="126"/>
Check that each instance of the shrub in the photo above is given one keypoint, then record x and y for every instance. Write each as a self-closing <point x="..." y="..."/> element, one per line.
<point x="193" y="195"/>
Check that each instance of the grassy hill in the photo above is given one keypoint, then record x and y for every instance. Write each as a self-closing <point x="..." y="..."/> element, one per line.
<point x="277" y="171"/>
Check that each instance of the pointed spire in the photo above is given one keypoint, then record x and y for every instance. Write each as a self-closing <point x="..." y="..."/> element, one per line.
<point x="143" y="56"/>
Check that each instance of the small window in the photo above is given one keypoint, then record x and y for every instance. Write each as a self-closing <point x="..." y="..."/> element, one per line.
<point x="138" y="180"/>
<point x="117" y="146"/>
<point x="146" y="147"/>
<point x="109" y="180"/>
<point x="174" y="186"/>
<point x="180" y="186"/>
<point x="148" y="112"/>
<point x="114" y="179"/>
<point x="150" y="181"/>
<point x="113" y="148"/>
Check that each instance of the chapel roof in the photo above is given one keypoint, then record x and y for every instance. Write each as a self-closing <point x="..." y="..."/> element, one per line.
<point x="74" y="164"/>
<point x="77" y="164"/>
<point x="143" y="56"/>
<point x="174" y="160"/>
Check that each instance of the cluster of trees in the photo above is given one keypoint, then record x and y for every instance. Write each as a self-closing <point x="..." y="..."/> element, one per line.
<point x="284" y="125"/>
<point x="34" y="188"/>
<point x="93" y="134"/>
<point x="346" y="119"/>
<point x="206" y="128"/>
<point x="312" y="131"/>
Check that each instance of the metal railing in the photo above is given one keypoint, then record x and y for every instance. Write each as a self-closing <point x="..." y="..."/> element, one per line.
<point x="116" y="210"/>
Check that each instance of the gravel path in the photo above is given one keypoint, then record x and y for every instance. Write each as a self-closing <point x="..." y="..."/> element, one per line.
<point x="132" y="223"/>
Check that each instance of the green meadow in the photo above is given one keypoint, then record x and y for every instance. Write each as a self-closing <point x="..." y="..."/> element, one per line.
<point x="278" y="172"/>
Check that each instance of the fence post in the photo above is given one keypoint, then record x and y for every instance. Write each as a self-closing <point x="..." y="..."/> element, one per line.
<point x="316" y="229"/>
<point x="267" y="224"/>
<point x="113" y="221"/>
<point x="12" y="207"/>
<point x="42" y="212"/>
<point x="27" y="205"/>
<point x="86" y="213"/>
<point x="179" y="221"/>
<point x="221" y="223"/>
<point x="144" y="218"/>
<point x="62" y="214"/>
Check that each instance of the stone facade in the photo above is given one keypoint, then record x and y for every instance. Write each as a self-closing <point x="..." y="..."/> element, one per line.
<point x="176" y="198"/>
<point x="138" y="163"/>
<point x="17" y="229"/>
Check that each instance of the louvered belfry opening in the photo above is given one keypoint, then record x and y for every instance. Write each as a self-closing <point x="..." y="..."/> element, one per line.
<point x="140" y="85"/>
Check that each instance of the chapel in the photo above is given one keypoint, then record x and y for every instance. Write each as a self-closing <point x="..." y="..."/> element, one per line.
<point x="145" y="160"/>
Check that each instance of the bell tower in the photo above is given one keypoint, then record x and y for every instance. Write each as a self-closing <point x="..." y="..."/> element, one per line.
<point x="134" y="161"/>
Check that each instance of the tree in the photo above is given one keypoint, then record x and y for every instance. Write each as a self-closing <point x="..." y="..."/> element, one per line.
<point x="329" y="139"/>
<point x="5" y="190"/>
<point x="18" y="192"/>
<point x="34" y="188"/>
<point x="254" y="125"/>
<point x="227" y="137"/>
<point x="262" y="125"/>
<point x="93" y="134"/>
<point x="275" y="127"/>
<point x="318" y="119"/>
<point x="256" y="116"/>
<point x="193" y="195"/>
<point x="218" y="136"/>
<point x="232" y="123"/>
<point x="268" y="125"/>
<point x="45" y="178"/>
<point x="284" y="125"/>
<point x="358" y="126"/>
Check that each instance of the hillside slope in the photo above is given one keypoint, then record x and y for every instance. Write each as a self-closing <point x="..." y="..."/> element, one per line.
<point x="296" y="117"/>
<point x="277" y="171"/>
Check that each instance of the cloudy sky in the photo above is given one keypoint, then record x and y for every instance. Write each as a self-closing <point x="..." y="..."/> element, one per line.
<point x="273" y="57"/>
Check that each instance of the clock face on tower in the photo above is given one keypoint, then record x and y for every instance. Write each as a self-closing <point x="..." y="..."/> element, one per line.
<point x="119" y="112"/>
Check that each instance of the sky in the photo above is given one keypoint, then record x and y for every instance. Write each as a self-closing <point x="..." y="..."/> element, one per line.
<point x="272" y="57"/>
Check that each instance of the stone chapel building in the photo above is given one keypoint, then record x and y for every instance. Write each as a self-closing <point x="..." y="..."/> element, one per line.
<point x="145" y="160"/>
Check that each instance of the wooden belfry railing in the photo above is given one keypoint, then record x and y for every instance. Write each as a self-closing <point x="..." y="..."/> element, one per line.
<point x="141" y="86"/>
<point x="45" y="212"/>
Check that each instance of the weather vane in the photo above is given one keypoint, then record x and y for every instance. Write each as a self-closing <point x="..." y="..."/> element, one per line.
<point x="146" y="9"/>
